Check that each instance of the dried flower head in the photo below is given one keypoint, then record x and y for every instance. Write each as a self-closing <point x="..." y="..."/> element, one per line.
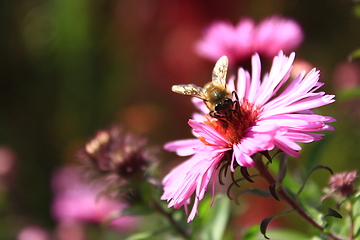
<point x="343" y="183"/>
<point x="118" y="157"/>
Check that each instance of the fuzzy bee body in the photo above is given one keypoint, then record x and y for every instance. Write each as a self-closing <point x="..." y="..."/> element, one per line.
<point x="215" y="95"/>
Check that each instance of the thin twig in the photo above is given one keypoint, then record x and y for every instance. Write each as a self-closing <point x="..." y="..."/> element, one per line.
<point x="265" y="173"/>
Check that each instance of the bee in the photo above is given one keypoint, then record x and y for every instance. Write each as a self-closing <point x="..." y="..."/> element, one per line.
<point x="215" y="95"/>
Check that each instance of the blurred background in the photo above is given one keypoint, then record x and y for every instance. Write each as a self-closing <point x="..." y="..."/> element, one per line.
<point x="69" y="68"/>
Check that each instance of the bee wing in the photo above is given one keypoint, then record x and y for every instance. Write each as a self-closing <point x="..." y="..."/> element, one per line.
<point x="189" y="89"/>
<point x="219" y="72"/>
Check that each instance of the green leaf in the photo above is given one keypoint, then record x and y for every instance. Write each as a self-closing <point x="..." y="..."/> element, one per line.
<point x="357" y="234"/>
<point x="357" y="9"/>
<point x="264" y="223"/>
<point x="285" y="234"/>
<point x="236" y="184"/>
<point x="137" y="210"/>
<point x="254" y="191"/>
<point x="332" y="213"/>
<point x="348" y="94"/>
<point x="251" y="233"/>
<point x="315" y="214"/>
<point x="307" y="177"/>
<point x="272" y="189"/>
<point x="246" y="174"/>
<point x="355" y="54"/>
<point x="147" y="234"/>
<point x="267" y="155"/>
<point x="216" y="220"/>
<point x="356" y="216"/>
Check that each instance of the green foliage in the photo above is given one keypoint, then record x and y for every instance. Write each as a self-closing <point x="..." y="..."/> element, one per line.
<point x="332" y="213"/>
<point x="251" y="233"/>
<point x="307" y="177"/>
<point x="214" y="220"/>
<point x="348" y="94"/>
<point x="253" y="191"/>
<point x="264" y="223"/>
<point x="355" y="55"/>
<point x="274" y="233"/>
<point x="151" y="234"/>
<point x="356" y="215"/>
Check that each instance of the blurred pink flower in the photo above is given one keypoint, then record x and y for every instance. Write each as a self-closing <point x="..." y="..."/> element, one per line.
<point x="7" y="167"/>
<point x="33" y="233"/>
<point x="69" y="230"/>
<point x="77" y="201"/>
<point x="243" y="40"/>
<point x="346" y="76"/>
<point x="266" y="118"/>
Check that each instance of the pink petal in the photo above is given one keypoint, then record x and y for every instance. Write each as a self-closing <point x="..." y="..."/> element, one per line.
<point x="210" y="134"/>
<point x="242" y="159"/>
<point x="183" y="147"/>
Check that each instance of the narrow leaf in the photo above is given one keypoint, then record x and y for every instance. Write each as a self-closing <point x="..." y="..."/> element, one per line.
<point x="272" y="189"/>
<point x="264" y="223"/>
<point x="267" y="155"/>
<point x="246" y="174"/>
<point x="254" y="191"/>
<point x="307" y="177"/>
<point x="277" y="152"/>
<point x="234" y="180"/>
<point x="332" y="213"/>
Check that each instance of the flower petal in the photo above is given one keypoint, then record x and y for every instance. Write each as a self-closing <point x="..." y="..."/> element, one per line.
<point x="183" y="147"/>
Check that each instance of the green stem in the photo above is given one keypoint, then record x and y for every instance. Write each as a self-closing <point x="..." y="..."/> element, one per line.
<point x="351" y="231"/>
<point x="266" y="174"/>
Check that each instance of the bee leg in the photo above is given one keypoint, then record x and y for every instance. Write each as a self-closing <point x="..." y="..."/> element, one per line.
<point x="221" y="118"/>
<point x="215" y="115"/>
<point x="236" y="102"/>
<point x="235" y="94"/>
<point x="236" y="105"/>
<point x="212" y="114"/>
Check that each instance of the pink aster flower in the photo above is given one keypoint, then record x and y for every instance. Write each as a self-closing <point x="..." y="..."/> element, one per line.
<point x="272" y="113"/>
<point x="239" y="42"/>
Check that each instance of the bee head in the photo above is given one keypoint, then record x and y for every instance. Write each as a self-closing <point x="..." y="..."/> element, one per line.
<point x="224" y="106"/>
